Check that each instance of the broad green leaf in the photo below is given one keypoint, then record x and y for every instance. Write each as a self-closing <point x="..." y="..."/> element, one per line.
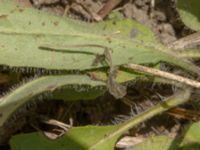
<point x="156" y="143"/>
<point x="23" y="94"/>
<point x="23" y="31"/>
<point x="189" y="11"/>
<point x="78" y="138"/>
<point x="192" y="133"/>
<point x="94" y="138"/>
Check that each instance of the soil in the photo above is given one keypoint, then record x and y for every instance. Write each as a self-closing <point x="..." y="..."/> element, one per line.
<point x="163" y="19"/>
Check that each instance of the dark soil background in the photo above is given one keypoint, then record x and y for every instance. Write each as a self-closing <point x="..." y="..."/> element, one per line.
<point x="162" y="17"/>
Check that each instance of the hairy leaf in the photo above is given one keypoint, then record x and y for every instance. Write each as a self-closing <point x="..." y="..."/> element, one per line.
<point x="24" y="31"/>
<point x="23" y="94"/>
<point x="94" y="138"/>
<point x="78" y="138"/>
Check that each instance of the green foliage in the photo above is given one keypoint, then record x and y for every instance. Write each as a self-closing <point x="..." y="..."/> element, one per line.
<point x="34" y="40"/>
<point x="189" y="11"/>
<point x="156" y="143"/>
<point x="24" y="31"/>
<point x="23" y="94"/>
<point x="91" y="137"/>
<point x="191" y="134"/>
<point x="189" y="140"/>
<point x="190" y="53"/>
<point x="78" y="138"/>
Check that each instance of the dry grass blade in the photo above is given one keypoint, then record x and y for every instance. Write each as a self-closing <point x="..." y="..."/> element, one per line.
<point x="162" y="74"/>
<point x="107" y="8"/>
<point x="186" y="42"/>
<point x="182" y="113"/>
<point x="128" y="141"/>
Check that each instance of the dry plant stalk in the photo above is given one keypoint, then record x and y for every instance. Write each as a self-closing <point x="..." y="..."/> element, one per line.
<point x="163" y="74"/>
<point x="107" y="8"/>
<point x="186" y="42"/>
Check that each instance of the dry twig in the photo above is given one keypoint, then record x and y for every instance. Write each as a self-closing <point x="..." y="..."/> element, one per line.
<point x="186" y="42"/>
<point x="163" y="74"/>
<point x="107" y="8"/>
<point x="182" y="113"/>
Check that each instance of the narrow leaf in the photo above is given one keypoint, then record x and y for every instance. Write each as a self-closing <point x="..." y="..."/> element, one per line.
<point x="94" y="138"/>
<point x="23" y="94"/>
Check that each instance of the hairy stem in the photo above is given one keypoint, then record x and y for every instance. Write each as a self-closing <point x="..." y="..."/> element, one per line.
<point x="171" y="102"/>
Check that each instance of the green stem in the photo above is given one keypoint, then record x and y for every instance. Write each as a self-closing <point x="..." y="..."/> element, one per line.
<point x="171" y="102"/>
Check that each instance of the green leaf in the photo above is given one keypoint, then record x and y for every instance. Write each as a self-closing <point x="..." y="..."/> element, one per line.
<point x="192" y="133"/>
<point x="156" y="143"/>
<point x="189" y="11"/>
<point x="190" y="53"/>
<point x="23" y="94"/>
<point x="78" y="138"/>
<point x="23" y="31"/>
<point x="94" y="138"/>
<point x="189" y="140"/>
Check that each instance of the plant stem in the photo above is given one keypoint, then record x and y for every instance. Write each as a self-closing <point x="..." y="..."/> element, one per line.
<point x="171" y="102"/>
<point x="163" y="74"/>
